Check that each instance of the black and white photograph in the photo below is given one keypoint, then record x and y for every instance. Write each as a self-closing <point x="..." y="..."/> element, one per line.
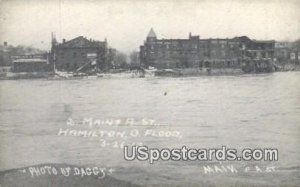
<point x="140" y="93"/>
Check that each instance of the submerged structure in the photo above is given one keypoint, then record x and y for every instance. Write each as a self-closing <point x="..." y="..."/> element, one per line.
<point x="81" y="54"/>
<point x="195" y="52"/>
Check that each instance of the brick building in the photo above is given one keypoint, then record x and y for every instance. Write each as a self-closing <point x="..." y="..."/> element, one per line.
<point x="282" y="51"/>
<point x="287" y="52"/>
<point x="257" y="49"/>
<point x="80" y="54"/>
<point x="195" y="52"/>
<point x="294" y="56"/>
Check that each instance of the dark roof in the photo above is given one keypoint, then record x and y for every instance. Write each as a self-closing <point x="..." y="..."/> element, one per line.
<point x="81" y="42"/>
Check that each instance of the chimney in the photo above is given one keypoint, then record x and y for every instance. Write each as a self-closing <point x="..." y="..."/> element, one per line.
<point x="5" y="44"/>
<point x="63" y="40"/>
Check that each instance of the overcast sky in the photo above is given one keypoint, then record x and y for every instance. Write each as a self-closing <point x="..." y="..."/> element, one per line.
<point x="126" y="24"/>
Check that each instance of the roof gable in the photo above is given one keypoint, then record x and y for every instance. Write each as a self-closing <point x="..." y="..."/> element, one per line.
<point x="81" y="42"/>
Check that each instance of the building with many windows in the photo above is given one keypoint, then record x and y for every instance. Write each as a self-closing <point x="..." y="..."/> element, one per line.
<point x="195" y="52"/>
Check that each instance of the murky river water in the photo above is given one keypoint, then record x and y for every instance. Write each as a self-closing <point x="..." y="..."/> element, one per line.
<point x="255" y="111"/>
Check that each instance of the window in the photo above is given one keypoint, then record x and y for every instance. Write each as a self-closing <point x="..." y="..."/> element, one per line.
<point x="223" y="53"/>
<point x="292" y="56"/>
<point x="213" y="53"/>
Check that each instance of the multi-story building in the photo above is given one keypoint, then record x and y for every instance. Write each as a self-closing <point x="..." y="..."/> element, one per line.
<point x="295" y="52"/>
<point x="80" y="54"/>
<point x="23" y="59"/>
<point x="31" y="63"/>
<point x="294" y="56"/>
<point x="196" y="52"/>
<point x="257" y="49"/>
<point x="287" y="52"/>
<point x="282" y="51"/>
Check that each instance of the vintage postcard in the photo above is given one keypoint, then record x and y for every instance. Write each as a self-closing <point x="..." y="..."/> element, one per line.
<point x="149" y="93"/>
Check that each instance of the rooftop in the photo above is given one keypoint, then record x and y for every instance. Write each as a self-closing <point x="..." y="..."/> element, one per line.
<point x="151" y="34"/>
<point x="80" y="42"/>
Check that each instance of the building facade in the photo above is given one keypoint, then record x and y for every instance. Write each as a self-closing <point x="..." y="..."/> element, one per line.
<point x="287" y="52"/>
<point x="197" y="53"/>
<point x="79" y="54"/>
<point x="31" y="63"/>
<point x="282" y="52"/>
<point x="257" y="49"/>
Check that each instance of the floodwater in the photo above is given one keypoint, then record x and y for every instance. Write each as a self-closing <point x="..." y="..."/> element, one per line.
<point x="248" y="111"/>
